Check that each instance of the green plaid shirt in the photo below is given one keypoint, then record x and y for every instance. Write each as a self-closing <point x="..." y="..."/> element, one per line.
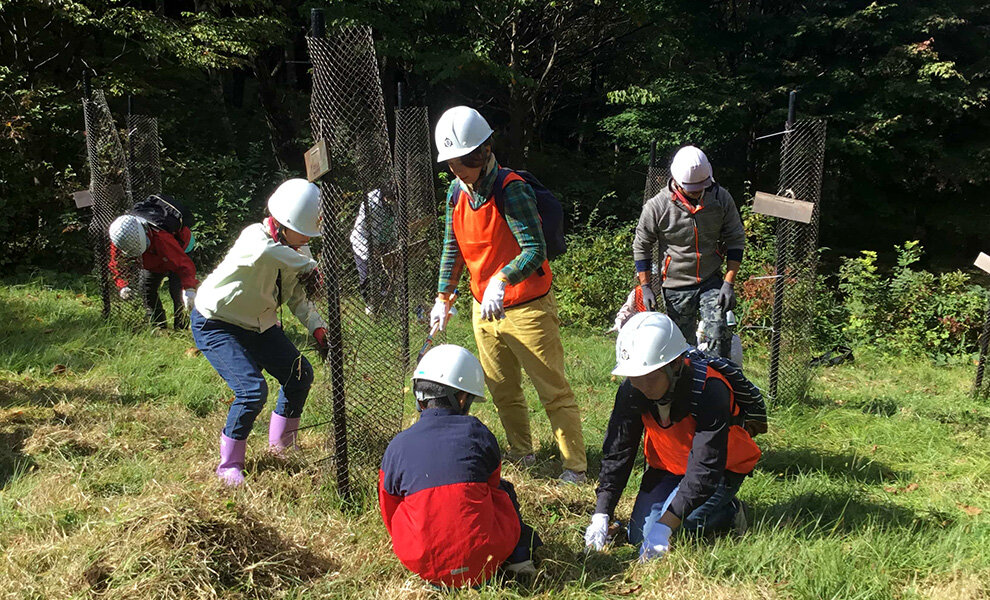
<point x="523" y="219"/>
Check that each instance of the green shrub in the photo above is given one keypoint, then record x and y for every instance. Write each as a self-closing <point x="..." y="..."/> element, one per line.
<point x="594" y="276"/>
<point x="907" y="310"/>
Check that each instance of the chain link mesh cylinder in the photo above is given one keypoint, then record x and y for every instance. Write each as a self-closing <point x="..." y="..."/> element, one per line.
<point x="802" y="160"/>
<point x="363" y="386"/>
<point x="421" y="237"/>
<point x="107" y="169"/>
<point x="657" y="176"/>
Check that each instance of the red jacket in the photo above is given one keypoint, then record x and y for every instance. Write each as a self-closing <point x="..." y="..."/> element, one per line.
<point x="165" y="254"/>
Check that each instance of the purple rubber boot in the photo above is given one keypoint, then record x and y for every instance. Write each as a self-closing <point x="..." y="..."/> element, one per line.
<point x="282" y="434"/>
<point x="231" y="469"/>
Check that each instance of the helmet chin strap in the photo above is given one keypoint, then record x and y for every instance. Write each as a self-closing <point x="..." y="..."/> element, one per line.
<point x="277" y="231"/>
<point x="664" y="403"/>
<point x="421" y="399"/>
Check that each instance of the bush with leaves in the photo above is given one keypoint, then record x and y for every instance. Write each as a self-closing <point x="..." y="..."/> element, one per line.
<point x="908" y="310"/>
<point x="594" y="276"/>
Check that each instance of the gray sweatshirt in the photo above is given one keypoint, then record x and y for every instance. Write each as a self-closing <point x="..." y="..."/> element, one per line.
<point x="689" y="236"/>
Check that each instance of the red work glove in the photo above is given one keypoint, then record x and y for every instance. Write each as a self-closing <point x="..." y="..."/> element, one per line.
<point x="322" y="347"/>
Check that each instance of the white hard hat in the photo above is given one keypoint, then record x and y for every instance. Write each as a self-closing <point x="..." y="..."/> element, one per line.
<point x="459" y="131"/>
<point x="691" y="169"/>
<point x="647" y="342"/>
<point x="296" y="204"/>
<point x="129" y="236"/>
<point x="453" y="366"/>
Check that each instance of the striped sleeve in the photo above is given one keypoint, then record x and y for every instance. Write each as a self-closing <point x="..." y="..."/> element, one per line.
<point x="451" y="261"/>
<point x="523" y="218"/>
<point x="747" y="395"/>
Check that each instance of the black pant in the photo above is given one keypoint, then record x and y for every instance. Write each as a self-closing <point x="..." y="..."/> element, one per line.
<point x="529" y="540"/>
<point x="150" y="282"/>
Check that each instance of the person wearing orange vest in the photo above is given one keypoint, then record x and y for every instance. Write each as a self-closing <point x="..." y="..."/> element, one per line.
<point x="514" y="314"/>
<point x="699" y="416"/>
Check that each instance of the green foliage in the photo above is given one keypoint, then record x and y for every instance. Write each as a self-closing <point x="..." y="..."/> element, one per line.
<point x="903" y="86"/>
<point x="594" y="276"/>
<point x="170" y="60"/>
<point x="907" y="310"/>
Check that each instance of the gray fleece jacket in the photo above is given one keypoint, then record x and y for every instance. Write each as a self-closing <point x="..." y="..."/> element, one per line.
<point x="689" y="236"/>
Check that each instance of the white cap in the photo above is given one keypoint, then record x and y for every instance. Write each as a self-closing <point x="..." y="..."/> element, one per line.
<point x="453" y="366"/>
<point x="459" y="131"/>
<point x="296" y="205"/>
<point x="129" y="236"/>
<point x="647" y="342"/>
<point x="691" y="169"/>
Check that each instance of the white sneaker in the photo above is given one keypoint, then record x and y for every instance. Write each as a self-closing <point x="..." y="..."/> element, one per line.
<point x="569" y="476"/>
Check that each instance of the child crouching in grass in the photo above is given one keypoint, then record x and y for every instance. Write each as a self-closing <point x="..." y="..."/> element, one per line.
<point x="235" y="322"/>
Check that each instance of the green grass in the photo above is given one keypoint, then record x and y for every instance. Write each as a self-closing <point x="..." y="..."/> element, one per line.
<point x="873" y="488"/>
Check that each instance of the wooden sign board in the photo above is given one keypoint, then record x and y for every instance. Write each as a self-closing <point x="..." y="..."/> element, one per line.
<point x="83" y="198"/>
<point x="791" y="209"/>
<point x="317" y="161"/>
<point x="983" y="262"/>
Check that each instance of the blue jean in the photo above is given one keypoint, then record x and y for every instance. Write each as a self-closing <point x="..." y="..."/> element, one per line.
<point x="658" y="490"/>
<point x="239" y="355"/>
<point x="685" y="305"/>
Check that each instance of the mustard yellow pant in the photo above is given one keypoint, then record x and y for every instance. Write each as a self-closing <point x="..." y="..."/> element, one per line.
<point x="529" y="338"/>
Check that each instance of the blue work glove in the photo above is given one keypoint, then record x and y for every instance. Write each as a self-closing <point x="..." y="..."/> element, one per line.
<point x="656" y="543"/>
<point x="726" y="297"/>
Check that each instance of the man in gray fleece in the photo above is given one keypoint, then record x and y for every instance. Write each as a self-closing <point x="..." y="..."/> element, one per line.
<point x="692" y="220"/>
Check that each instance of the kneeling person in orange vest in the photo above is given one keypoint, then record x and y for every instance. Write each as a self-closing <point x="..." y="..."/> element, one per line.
<point x="493" y="226"/>
<point x="699" y="416"/>
<point x="452" y="518"/>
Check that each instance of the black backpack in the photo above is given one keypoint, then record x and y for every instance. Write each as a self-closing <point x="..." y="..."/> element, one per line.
<point x="162" y="211"/>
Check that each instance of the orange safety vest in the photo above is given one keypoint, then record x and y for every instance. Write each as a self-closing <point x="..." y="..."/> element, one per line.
<point x="668" y="448"/>
<point x="487" y="245"/>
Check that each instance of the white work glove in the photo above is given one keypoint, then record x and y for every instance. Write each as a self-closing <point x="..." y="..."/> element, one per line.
<point x="491" y="302"/>
<point x="656" y="543"/>
<point x="649" y="298"/>
<point x="596" y="536"/>
<point x="438" y="316"/>
<point x="188" y="298"/>
<point x="126" y="293"/>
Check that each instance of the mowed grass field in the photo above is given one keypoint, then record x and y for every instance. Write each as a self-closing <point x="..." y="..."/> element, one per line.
<point x="878" y="487"/>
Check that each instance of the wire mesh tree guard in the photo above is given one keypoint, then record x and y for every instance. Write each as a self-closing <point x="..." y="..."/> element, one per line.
<point x="657" y="177"/>
<point x="144" y="169"/>
<point x="108" y="185"/>
<point x="362" y="387"/>
<point x="420" y="240"/>
<point x="802" y="159"/>
<point x="979" y="386"/>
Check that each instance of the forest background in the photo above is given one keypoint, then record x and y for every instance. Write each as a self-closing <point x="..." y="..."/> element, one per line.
<point x="577" y="91"/>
